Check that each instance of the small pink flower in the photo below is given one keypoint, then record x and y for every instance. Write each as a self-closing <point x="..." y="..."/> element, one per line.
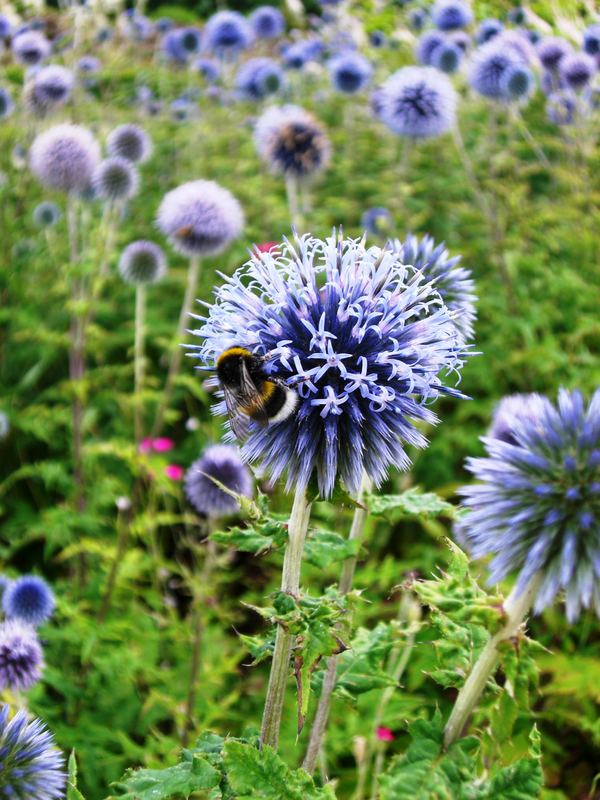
<point x="145" y="446"/>
<point x="163" y="445"/>
<point x="174" y="471"/>
<point x="384" y="734"/>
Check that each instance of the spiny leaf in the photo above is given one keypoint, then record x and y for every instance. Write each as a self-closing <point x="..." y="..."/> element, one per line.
<point x="411" y="503"/>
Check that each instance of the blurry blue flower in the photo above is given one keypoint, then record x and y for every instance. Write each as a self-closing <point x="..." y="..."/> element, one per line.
<point x="64" y="157"/>
<point x="561" y="108"/>
<point x="104" y="35"/>
<point x="115" y="179"/>
<point x="208" y="69"/>
<point x="5" y="27"/>
<point x="488" y="65"/>
<point x="171" y="46"/>
<point x="296" y="55"/>
<point x="591" y="40"/>
<point x="577" y="70"/>
<point x="418" y="102"/>
<point x="377" y="221"/>
<point x="537" y="506"/>
<point x="223" y="463"/>
<point x="140" y="29"/>
<point x="349" y="72"/>
<point x="520" y="407"/>
<point x="142" y="262"/>
<point x="427" y="45"/>
<point x="190" y="41"/>
<point x="52" y="86"/>
<point x="447" y="57"/>
<point x="200" y="218"/>
<point x="267" y="22"/>
<point x="362" y="338"/>
<point x="461" y="39"/>
<point x="448" y="15"/>
<point x="28" y="599"/>
<point x="32" y="766"/>
<point x="46" y="214"/>
<point x="291" y="141"/>
<point x="181" y="109"/>
<point x="88" y="65"/>
<point x="164" y="25"/>
<point x="517" y="82"/>
<point x="6" y="103"/>
<point x="227" y="32"/>
<point x="516" y="15"/>
<point x="21" y="659"/>
<point x="30" y="48"/>
<point x="130" y="142"/>
<point x="258" y="78"/>
<point x="417" y="18"/>
<point x="488" y="28"/>
<point x="552" y="50"/>
<point x="377" y="38"/>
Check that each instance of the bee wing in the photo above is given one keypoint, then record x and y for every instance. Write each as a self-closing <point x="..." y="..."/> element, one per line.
<point x="239" y="421"/>
<point x="250" y="395"/>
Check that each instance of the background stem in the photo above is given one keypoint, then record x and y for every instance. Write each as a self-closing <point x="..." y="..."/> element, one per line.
<point x="138" y="360"/>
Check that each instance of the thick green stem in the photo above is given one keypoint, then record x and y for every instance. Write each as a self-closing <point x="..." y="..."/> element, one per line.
<point x="516" y="608"/>
<point x="319" y="725"/>
<point x="290" y="583"/>
<point x="138" y="360"/>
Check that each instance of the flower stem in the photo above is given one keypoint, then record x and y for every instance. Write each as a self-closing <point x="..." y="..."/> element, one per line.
<point x="319" y="725"/>
<point x="290" y="583"/>
<point x="530" y="139"/>
<point x="138" y="359"/>
<point x="291" y="189"/>
<point x="516" y="608"/>
<point x="175" y="362"/>
<point x="123" y="523"/>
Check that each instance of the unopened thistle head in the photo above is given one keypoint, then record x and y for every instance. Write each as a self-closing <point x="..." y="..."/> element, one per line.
<point x="130" y="142"/>
<point x="447" y="57"/>
<point x="30" y="48"/>
<point x="377" y="220"/>
<point x="21" y="659"/>
<point x="267" y="22"/>
<point x="200" y="218"/>
<point x="292" y="142"/>
<point x="223" y="463"/>
<point x="591" y="40"/>
<point x="28" y="599"/>
<point x="65" y="157"/>
<point x="536" y="507"/>
<point x="32" y="765"/>
<point x="418" y="102"/>
<point x="142" y="262"/>
<point x="364" y="340"/>
<point x="115" y="179"/>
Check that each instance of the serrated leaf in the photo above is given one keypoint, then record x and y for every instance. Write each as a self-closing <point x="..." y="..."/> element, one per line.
<point x="324" y="548"/>
<point x="258" y="538"/>
<point x="411" y="503"/>
<point x="163" y="784"/>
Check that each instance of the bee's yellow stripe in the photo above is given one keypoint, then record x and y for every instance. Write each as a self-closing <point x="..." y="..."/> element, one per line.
<point x="267" y="389"/>
<point x="233" y="351"/>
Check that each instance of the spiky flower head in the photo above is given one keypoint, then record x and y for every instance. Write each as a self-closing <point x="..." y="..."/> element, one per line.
<point x="258" y="78"/>
<point x="362" y="338"/>
<point x="21" y="659"/>
<point x="115" y="179"/>
<point x="427" y="44"/>
<point x="65" y="157"/>
<point x="190" y="41"/>
<point x="200" y="218"/>
<point x="208" y="69"/>
<point x="223" y="463"/>
<point x="447" y="57"/>
<point x="52" y="86"/>
<point x="517" y="83"/>
<point x="226" y="33"/>
<point x="350" y="72"/>
<point x="377" y="220"/>
<point x="142" y="262"/>
<point x="488" y="28"/>
<point x="591" y="40"/>
<point x="32" y="765"/>
<point x="6" y="103"/>
<point x="267" y="22"/>
<point x="28" y="599"/>
<point x="291" y="141"/>
<point x="577" y="70"/>
<point x="551" y="50"/>
<point x="30" y="48"/>
<point x="130" y="142"/>
<point x="537" y="506"/>
<point x="523" y="407"/>
<point x="489" y="64"/>
<point x="418" y="102"/>
<point x="448" y="15"/>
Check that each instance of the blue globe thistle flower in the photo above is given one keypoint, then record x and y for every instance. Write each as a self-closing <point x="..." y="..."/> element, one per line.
<point x="104" y="35"/>
<point x="561" y="108"/>
<point x="46" y="214"/>
<point x="226" y="33"/>
<point x="30" y="48"/>
<point x="454" y="283"/>
<point x="130" y="142"/>
<point x="377" y="39"/>
<point x="208" y="69"/>
<point x="292" y="142"/>
<point x="517" y="15"/>
<point x="7" y="105"/>
<point x="32" y="765"/>
<point x="350" y="72"/>
<point x="64" y="157"/>
<point x="139" y="29"/>
<point x="448" y="15"/>
<point x="537" y="506"/>
<point x="267" y="22"/>
<point x="5" y="27"/>
<point x="142" y="262"/>
<point x="462" y="40"/>
<point x="418" y="102"/>
<point x="21" y="659"/>
<point x="447" y="57"/>
<point x="517" y="41"/>
<point x="28" y="599"/>
<point x="551" y="50"/>
<point x="577" y="70"/>
<point x="181" y="109"/>
<point x="522" y="407"/>
<point x="377" y="220"/>
<point x="427" y="45"/>
<point x="200" y="218"/>
<point x="376" y="102"/>
<point x="417" y="18"/>
<point x="164" y="25"/>
<point x="361" y="337"/>
<point x="88" y="65"/>
<point x="171" y="46"/>
<point x="488" y="66"/>
<point x="115" y="179"/>
<point x="591" y="40"/>
<point x="52" y="86"/>
<point x="258" y="78"/>
<point x="488" y="28"/>
<point x="223" y="463"/>
<point x="190" y="41"/>
<point x="517" y="83"/>
<point x="295" y="55"/>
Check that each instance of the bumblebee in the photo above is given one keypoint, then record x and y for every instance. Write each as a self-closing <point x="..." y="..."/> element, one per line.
<point x="250" y="393"/>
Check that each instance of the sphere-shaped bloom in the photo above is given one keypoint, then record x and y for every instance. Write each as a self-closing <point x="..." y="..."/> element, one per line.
<point x="418" y="102"/>
<point x="65" y="157"/>
<point x="461" y="39"/>
<point x="361" y="338"/>
<point x="30" y="48"/>
<point x="130" y="142"/>
<point x="200" y="218"/>
<point x="377" y="38"/>
<point x="577" y="70"/>
<point x="88" y="65"/>
<point x="350" y="72"/>
<point x="517" y="82"/>
<point x="488" y="66"/>
<point x="448" y="15"/>
<point x="537" y="506"/>
<point x="488" y="28"/>
<point x="591" y="40"/>
<point x="427" y="45"/>
<point x="520" y="407"/>
<point x="454" y="283"/>
<point x="142" y="262"/>
<point x="296" y="55"/>
<point x="52" y="85"/>
<point x="21" y="659"/>
<point x="6" y="103"/>
<point x="551" y="50"/>
<point x="115" y="179"/>
<point x="46" y="214"/>
<point x="190" y="41"/>
<point x="517" y="15"/>
<point x="222" y="463"/>
<point x="267" y="22"/>
<point x="258" y="78"/>
<point x="447" y="57"/>
<point x="377" y="221"/>
<point x="291" y="141"/>
<point x="208" y="69"/>
<point x="28" y="599"/>
<point x="417" y="18"/>
<point x="163" y="25"/>
<point x="171" y="46"/>
<point x="227" y="32"/>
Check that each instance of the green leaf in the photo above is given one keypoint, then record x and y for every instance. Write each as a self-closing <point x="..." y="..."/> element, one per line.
<point x="73" y="792"/>
<point x="173" y="782"/>
<point x="411" y="503"/>
<point x="324" y="548"/>
<point x="268" y="535"/>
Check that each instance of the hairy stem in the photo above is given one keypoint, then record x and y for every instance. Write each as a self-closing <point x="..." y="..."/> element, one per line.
<point x="290" y="583"/>
<point x="138" y="360"/>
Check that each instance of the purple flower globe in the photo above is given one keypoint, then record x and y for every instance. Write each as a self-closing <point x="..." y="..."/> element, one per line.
<point x="577" y="70"/>
<point x="28" y="599"/>
<point x="418" y="102"/>
<point x="267" y="22"/>
<point x="52" y="86"/>
<point x="21" y="659"/>
<point x="447" y="57"/>
<point x="5" y="27"/>
<point x="561" y="108"/>
<point x="208" y="69"/>
<point x="88" y="65"/>
<point x="427" y="45"/>
<point x="258" y="78"/>
<point x="200" y="218"/>
<point x="64" y="157"/>
<point x="377" y="220"/>
<point x="448" y="15"/>
<point x="6" y="103"/>
<point x="142" y="262"/>
<point x="488" y="28"/>
<point x="30" y="48"/>
<point x="130" y="142"/>
<point x="226" y="33"/>
<point x="115" y="179"/>
<point x="292" y="142"/>
<point x="552" y="50"/>
<point x="361" y="338"/>
<point x="350" y="72"/>
<point x="517" y="82"/>
<point x="488" y="67"/>
<point x="514" y="407"/>
<point x="46" y="214"/>
<point x="591" y="40"/>
<point x="223" y="463"/>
